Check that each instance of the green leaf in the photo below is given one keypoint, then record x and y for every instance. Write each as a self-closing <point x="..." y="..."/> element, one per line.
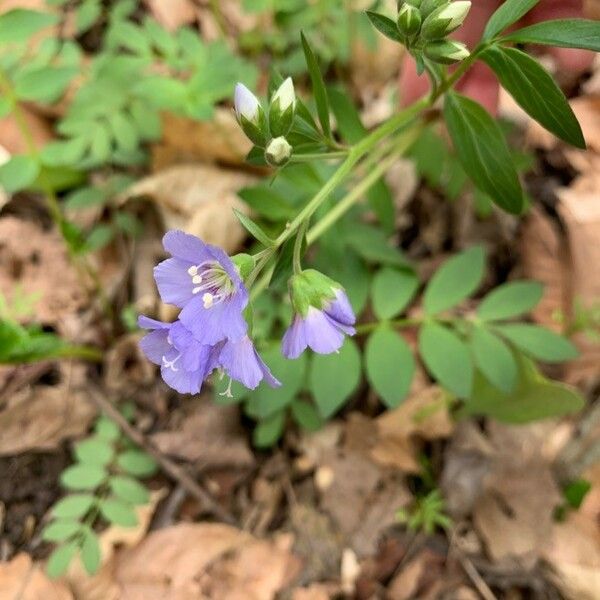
<point x="372" y="244"/>
<point x="107" y="429"/>
<point x="99" y="237"/>
<point x="253" y="229"/>
<point x="94" y="452"/>
<point x="346" y="116"/>
<point x="334" y="377"/>
<point x="60" y="530"/>
<point x="533" y="398"/>
<point x="390" y="366"/>
<point x="564" y="33"/>
<point x="18" y="172"/>
<point x="137" y="462"/>
<point x="73" y="506"/>
<point x="447" y="358"/>
<point x="118" y="512"/>
<point x="83" y="477"/>
<point x="306" y="415"/>
<point x="482" y="151"/>
<point x="87" y="14"/>
<point x="454" y="281"/>
<point x="46" y="84"/>
<point x="90" y="552"/>
<point x="85" y="197"/>
<point x="267" y="203"/>
<point x="535" y="91"/>
<point x="508" y="12"/>
<point x="386" y="26"/>
<point x="267" y="432"/>
<point x="129" y="489"/>
<point x="391" y="291"/>
<point x="539" y="342"/>
<point x="20" y="24"/>
<point x="510" y="300"/>
<point x="265" y="400"/>
<point x="318" y="87"/>
<point x="494" y="359"/>
<point x="60" y="558"/>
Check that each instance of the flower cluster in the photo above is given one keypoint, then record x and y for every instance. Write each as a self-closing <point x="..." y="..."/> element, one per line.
<point x="211" y="332"/>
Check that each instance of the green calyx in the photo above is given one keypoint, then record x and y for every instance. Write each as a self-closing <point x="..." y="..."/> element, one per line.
<point x="311" y="288"/>
<point x="244" y="263"/>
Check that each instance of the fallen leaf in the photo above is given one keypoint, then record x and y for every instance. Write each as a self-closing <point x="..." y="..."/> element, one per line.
<point x="198" y="199"/>
<point x="23" y="580"/>
<point x="207" y="434"/>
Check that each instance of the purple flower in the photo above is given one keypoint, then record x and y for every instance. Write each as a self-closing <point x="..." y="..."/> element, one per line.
<point x="203" y="281"/>
<point x="241" y="362"/>
<point x="322" y="330"/>
<point x="184" y="362"/>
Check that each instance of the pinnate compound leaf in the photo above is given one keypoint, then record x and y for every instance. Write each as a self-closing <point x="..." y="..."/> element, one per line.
<point x="391" y="291"/>
<point x="118" y="512"/>
<point x="455" y="280"/>
<point x="385" y="25"/>
<point x="46" y="84"/>
<point x="94" y="452"/>
<point x="129" y="489"/>
<point x="73" y="506"/>
<point x="60" y="559"/>
<point x="318" y="87"/>
<point x="83" y="477"/>
<point x="390" y="366"/>
<point x="482" y="151"/>
<point x="60" y="530"/>
<point x="136" y="462"/>
<point x="447" y="358"/>
<point x="535" y="91"/>
<point x="508" y="12"/>
<point x="494" y="359"/>
<point x="510" y="300"/>
<point x="538" y="342"/>
<point x="333" y="377"/>
<point x="564" y="33"/>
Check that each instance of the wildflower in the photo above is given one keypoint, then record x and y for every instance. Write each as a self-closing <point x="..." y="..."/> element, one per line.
<point x="323" y="315"/>
<point x="445" y="19"/>
<point x="241" y="362"/>
<point x="278" y="152"/>
<point x="282" y="108"/>
<point x="184" y="362"/>
<point x="203" y="281"/>
<point x="250" y="114"/>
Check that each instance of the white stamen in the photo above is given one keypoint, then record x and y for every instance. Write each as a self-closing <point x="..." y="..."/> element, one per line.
<point x="193" y="270"/>
<point x="170" y="364"/>
<point x="227" y="392"/>
<point x="207" y="300"/>
<point x="196" y="290"/>
<point x="196" y="279"/>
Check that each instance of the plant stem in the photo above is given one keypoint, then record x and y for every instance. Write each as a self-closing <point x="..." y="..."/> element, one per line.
<point x="300" y="158"/>
<point x="297" y="258"/>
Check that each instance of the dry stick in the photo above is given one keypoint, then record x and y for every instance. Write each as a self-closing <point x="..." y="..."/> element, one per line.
<point x="168" y="466"/>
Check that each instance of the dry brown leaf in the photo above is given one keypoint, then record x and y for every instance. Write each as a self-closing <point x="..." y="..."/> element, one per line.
<point x="208" y="434"/>
<point x="218" y="140"/>
<point x="40" y="417"/>
<point x="30" y="258"/>
<point x="23" y="580"/>
<point x="126" y="368"/>
<point x="172" y="14"/>
<point x="198" y="199"/>
<point x="422" y="415"/>
<point x="316" y="591"/>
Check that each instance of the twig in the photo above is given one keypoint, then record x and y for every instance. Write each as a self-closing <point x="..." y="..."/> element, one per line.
<point x="475" y="577"/>
<point x="168" y="466"/>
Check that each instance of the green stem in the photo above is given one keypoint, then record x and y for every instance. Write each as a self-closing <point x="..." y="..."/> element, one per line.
<point x="405" y="141"/>
<point x="300" y="158"/>
<point x="297" y="258"/>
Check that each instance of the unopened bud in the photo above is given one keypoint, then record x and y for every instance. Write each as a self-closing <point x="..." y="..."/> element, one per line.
<point x="282" y="108"/>
<point x="278" y="152"/>
<point x="446" y="52"/>
<point x="428" y="6"/>
<point x="409" y="20"/>
<point x="250" y="114"/>
<point x="445" y="20"/>
<point x="415" y="3"/>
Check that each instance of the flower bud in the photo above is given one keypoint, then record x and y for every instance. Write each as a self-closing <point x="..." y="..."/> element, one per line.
<point x="415" y="3"/>
<point x="244" y="263"/>
<point x="446" y="52"/>
<point x="250" y="115"/>
<point x="311" y="288"/>
<point x="445" y="20"/>
<point x="428" y="6"/>
<point x="278" y="152"/>
<point x="282" y="108"/>
<point x="409" y="20"/>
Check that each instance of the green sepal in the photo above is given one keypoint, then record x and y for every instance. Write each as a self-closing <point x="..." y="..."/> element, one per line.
<point x="280" y="122"/>
<point x="244" y="263"/>
<point x="256" y="131"/>
<point x="311" y="288"/>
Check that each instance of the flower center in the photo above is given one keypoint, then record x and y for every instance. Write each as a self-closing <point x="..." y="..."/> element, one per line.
<point x="210" y="279"/>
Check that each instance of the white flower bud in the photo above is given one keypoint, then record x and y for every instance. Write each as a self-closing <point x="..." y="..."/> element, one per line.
<point x="278" y="151"/>
<point x="457" y="12"/>
<point x="246" y="104"/>
<point x="446" y="52"/>
<point x="409" y="20"/>
<point x="445" y="19"/>
<point x="286" y="95"/>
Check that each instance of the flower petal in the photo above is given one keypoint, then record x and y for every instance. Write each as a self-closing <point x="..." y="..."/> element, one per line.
<point x="186" y="247"/>
<point x="340" y="309"/>
<point x="240" y="361"/>
<point x="322" y="335"/>
<point x="174" y="282"/>
<point x="294" y="339"/>
<point x="184" y="382"/>
<point x="148" y="323"/>
<point x="155" y="345"/>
